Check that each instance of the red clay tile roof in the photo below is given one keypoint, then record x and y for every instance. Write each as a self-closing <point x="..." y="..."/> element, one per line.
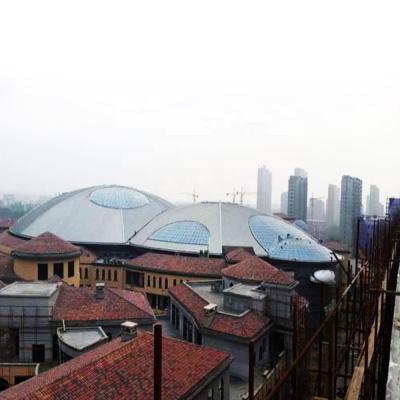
<point x="168" y="263"/>
<point x="80" y="304"/>
<point x="237" y="255"/>
<point x="46" y="244"/>
<point x="10" y="241"/>
<point x="254" y="269"/>
<point x="244" y="326"/>
<point x="247" y="326"/>
<point x="124" y="370"/>
<point x="193" y="303"/>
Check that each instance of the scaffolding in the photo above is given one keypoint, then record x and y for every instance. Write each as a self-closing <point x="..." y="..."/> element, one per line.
<point x="347" y="357"/>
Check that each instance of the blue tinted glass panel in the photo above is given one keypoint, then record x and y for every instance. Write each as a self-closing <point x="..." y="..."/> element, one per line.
<point x="286" y="242"/>
<point x="118" y="198"/>
<point x="186" y="232"/>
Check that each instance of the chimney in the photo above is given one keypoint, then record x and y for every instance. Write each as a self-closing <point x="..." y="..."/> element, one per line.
<point x="128" y="330"/>
<point x="99" y="291"/>
<point x="157" y="362"/>
<point x="209" y="312"/>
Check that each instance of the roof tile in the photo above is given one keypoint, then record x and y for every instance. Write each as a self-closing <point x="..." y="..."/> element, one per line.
<point x="124" y="370"/>
<point x="81" y="304"/>
<point x="254" y="269"/>
<point x="46" y="244"/>
<point x="169" y="263"/>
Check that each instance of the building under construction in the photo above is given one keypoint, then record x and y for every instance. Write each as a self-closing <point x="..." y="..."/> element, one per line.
<point x="354" y="353"/>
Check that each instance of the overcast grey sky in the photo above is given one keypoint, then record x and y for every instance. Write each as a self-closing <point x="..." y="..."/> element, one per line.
<point x="170" y="96"/>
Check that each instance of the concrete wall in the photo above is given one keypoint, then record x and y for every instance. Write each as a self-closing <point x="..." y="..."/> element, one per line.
<point x="240" y="352"/>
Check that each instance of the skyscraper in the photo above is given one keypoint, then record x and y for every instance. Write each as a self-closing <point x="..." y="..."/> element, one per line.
<point x="374" y="206"/>
<point x="350" y="207"/>
<point x="284" y="203"/>
<point x="297" y="195"/>
<point x="333" y="206"/>
<point x="264" y="189"/>
<point x="316" y="209"/>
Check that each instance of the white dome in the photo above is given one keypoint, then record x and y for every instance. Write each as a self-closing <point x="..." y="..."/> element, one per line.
<point x="101" y="214"/>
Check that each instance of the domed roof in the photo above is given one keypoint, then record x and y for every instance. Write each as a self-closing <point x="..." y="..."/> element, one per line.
<point x="212" y="226"/>
<point x="101" y="214"/>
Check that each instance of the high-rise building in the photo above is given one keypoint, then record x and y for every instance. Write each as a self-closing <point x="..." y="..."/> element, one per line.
<point x="350" y="207"/>
<point x="264" y="189"/>
<point x="300" y="172"/>
<point x="297" y="195"/>
<point x="333" y="206"/>
<point x="374" y="206"/>
<point x="316" y="209"/>
<point x="284" y="203"/>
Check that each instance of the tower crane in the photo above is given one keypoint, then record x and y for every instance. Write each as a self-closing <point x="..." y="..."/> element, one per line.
<point x="194" y="195"/>
<point x="233" y="194"/>
<point x="242" y="193"/>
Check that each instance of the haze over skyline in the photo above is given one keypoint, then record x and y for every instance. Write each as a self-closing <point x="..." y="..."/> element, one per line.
<point x="187" y="103"/>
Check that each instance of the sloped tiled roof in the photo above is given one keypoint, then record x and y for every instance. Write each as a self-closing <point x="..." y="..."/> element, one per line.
<point x="10" y="241"/>
<point x="245" y="326"/>
<point x="168" y="263"/>
<point x="254" y="269"/>
<point x="124" y="370"/>
<point x="46" y="244"/>
<point x="80" y="304"/>
<point x="192" y="302"/>
<point x="238" y="254"/>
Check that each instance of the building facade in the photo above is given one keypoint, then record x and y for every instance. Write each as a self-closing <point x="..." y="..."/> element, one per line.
<point x="297" y="196"/>
<point x="284" y="203"/>
<point x="333" y="207"/>
<point x="264" y="189"/>
<point x="350" y="208"/>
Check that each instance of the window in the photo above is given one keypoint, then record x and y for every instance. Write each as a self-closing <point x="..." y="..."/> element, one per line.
<point x="174" y="282"/>
<point x="37" y="353"/>
<point x="166" y="283"/>
<point x="71" y="268"/>
<point x="109" y="274"/>
<point x="181" y="281"/>
<point x="43" y="273"/>
<point x="148" y="280"/>
<point x="80" y="272"/>
<point x="103" y="274"/>
<point x="86" y="273"/>
<point x="221" y="388"/>
<point x="115" y="275"/>
<point x="135" y="278"/>
<point x="210" y="395"/>
<point x="154" y="281"/>
<point x="58" y="269"/>
<point x="160" y="283"/>
<point x="97" y="274"/>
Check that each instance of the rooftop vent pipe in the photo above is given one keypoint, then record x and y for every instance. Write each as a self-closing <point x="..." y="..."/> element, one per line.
<point x="99" y="291"/>
<point x="157" y="362"/>
<point x="128" y="330"/>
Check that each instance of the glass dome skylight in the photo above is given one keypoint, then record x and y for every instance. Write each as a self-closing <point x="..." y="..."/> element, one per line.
<point x="185" y="232"/>
<point x="283" y="241"/>
<point x="118" y="198"/>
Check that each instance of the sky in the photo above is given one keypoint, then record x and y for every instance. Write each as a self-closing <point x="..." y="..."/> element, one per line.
<point x="176" y="96"/>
